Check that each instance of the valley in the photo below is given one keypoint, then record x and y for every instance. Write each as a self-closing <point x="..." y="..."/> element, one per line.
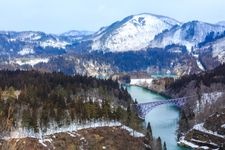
<point x="66" y="91"/>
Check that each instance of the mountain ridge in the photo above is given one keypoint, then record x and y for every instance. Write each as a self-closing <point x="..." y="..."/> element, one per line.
<point x="136" y="35"/>
<point x="188" y="34"/>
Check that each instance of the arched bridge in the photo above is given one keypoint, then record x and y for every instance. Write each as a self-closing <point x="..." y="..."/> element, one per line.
<point x="144" y="108"/>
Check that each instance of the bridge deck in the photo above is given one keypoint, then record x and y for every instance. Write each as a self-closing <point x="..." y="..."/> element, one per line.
<point x="145" y="108"/>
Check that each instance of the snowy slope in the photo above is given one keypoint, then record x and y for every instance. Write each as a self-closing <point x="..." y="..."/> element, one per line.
<point x="23" y="36"/>
<point x="222" y="23"/>
<point x="30" y="42"/>
<point x="53" y="43"/>
<point x="132" y="33"/>
<point x="216" y="49"/>
<point x="189" y="34"/>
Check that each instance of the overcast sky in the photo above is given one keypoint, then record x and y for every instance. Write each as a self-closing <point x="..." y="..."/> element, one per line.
<point x="56" y="16"/>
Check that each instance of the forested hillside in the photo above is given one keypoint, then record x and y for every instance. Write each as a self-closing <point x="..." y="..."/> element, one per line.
<point x="36" y="100"/>
<point x="207" y="91"/>
<point x="202" y="117"/>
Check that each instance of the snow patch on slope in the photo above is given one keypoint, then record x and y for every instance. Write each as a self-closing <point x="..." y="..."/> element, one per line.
<point x="54" y="44"/>
<point x="182" y="141"/>
<point x="200" y="66"/>
<point x="31" y="62"/>
<point x="26" y="51"/>
<point x="223" y="126"/>
<point x="186" y="143"/>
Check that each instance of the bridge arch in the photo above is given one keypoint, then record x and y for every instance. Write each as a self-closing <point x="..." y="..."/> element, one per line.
<point x="144" y="108"/>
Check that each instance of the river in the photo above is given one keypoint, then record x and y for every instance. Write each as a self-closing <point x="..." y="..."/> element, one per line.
<point x="163" y="118"/>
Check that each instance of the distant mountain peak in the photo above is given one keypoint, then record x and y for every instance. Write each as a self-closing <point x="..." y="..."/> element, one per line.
<point x="222" y="23"/>
<point x="132" y="33"/>
<point x="165" y="18"/>
<point x="76" y="33"/>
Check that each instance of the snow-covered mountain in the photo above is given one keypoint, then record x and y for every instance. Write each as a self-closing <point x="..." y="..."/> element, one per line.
<point x="76" y="33"/>
<point x="212" y="53"/>
<point x="222" y="23"/>
<point x="144" y="40"/>
<point x="218" y="50"/>
<point x="30" y="42"/>
<point x="132" y="33"/>
<point x="189" y="34"/>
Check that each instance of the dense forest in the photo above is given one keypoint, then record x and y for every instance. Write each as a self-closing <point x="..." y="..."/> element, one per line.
<point x="141" y="60"/>
<point x="33" y="100"/>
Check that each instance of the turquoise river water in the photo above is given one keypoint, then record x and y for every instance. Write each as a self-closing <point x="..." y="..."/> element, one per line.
<point x="163" y="119"/>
